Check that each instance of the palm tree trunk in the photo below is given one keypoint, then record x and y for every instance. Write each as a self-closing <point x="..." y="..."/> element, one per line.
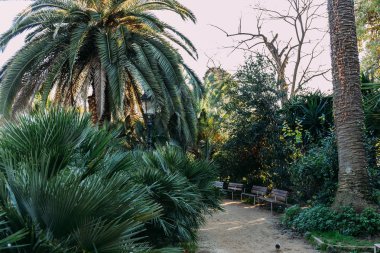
<point x="92" y="108"/>
<point x="348" y="112"/>
<point x="99" y="104"/>
<point x="106" y="117"/>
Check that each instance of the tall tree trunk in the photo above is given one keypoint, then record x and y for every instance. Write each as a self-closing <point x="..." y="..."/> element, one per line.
<point x="348" y="112"/>
<point x="282" y="87"/>
<point x="106" y="117"/>
<point x="92" y="108"/>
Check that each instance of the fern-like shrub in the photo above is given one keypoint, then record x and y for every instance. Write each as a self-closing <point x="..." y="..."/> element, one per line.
<point x="67" y="186"/>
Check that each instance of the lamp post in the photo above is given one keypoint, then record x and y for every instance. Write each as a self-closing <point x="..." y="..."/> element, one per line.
<point x="149" y="110"/>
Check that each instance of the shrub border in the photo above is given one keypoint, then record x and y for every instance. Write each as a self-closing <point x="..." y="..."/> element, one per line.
<point x="321" y="243"/>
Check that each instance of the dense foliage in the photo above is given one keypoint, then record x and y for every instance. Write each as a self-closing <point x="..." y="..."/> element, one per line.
<point x="252" y="148"/>
<point x="314" y="176"/>
<point x="292" y="147"/>
<point x="69" y="187"/>
<point x="312" y="112"/>
<point x="260" y="139"/>
<point x="321" y="218"/>
<point x="367" y="23"/>
<point x="212" y="132"/>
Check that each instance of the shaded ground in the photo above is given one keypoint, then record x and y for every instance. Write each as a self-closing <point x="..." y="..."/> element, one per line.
<point x="244" y="228"/>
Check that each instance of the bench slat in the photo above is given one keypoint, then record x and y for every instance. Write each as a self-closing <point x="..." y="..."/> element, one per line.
<point x="218" y="184"/>
<point x="280" y="192"/>
<point x="256" y="191"/>
<point x="235" y="186"/>
<point x="259" y="190"/>
<point x="276" y="197"/>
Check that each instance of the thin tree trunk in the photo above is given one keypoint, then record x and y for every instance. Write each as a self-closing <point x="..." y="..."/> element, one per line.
<point x="348" y="112"/>
<point x="283" y="87"/>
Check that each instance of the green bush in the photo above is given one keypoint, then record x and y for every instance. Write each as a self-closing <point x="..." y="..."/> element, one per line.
<point x="321" y="218"/>
<point x="317" y="218"/>
<point x="289" y="215"/>
<point x="315" y="175"/>
<point x="349" y="222"/>
<point x="374" y="179"/>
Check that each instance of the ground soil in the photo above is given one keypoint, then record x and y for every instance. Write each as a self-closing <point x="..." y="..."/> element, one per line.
<point x="243" y="228"/>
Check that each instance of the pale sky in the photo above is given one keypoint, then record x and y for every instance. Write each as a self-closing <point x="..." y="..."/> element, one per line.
<point x="210" y="42"/>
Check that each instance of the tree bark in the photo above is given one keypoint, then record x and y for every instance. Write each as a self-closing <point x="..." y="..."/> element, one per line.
<point x="92" y="108"/>
<point x="283" y="87"/>
<point x="348" y="112"/>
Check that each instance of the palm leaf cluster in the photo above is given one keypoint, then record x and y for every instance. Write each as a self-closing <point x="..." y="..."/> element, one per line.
<point x="53" y="190"/>
<point x="104" y="53"/>
<point x="77" y="190"/>
<point x="371" y="99"/>
<point x="212" y="115"/>
<point x="314" y="111"/>
<point x="182" y="186"/>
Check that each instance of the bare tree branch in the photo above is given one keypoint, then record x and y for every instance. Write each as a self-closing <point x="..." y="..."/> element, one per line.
<point x="302" y="16"/>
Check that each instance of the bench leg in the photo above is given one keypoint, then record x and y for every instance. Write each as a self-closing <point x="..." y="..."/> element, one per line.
<point x="254" y="200"/>
<point x="232" y="195"/>
<point x="271" y="208"/>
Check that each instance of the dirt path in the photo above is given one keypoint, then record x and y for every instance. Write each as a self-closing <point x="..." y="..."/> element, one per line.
<point x="245" y="229"/>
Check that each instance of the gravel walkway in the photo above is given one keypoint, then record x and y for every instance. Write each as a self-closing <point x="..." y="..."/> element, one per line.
<point x="244" y="228"/>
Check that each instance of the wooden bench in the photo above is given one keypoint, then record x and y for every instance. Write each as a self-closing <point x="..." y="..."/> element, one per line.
<point x="376" y="246"/>
<point x="256" y="191"/>
<point x="234" y="187"/>
<point x="276" y="196"/>
<point x="218" y="184"/>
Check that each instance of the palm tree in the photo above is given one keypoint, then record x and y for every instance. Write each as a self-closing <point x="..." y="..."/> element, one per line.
<point x="348" y="111"/>
<point x="109" y="52"/>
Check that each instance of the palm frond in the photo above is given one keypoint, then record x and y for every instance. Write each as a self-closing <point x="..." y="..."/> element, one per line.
<point x="170" y="5"/>
<point x="18" y="66"/>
